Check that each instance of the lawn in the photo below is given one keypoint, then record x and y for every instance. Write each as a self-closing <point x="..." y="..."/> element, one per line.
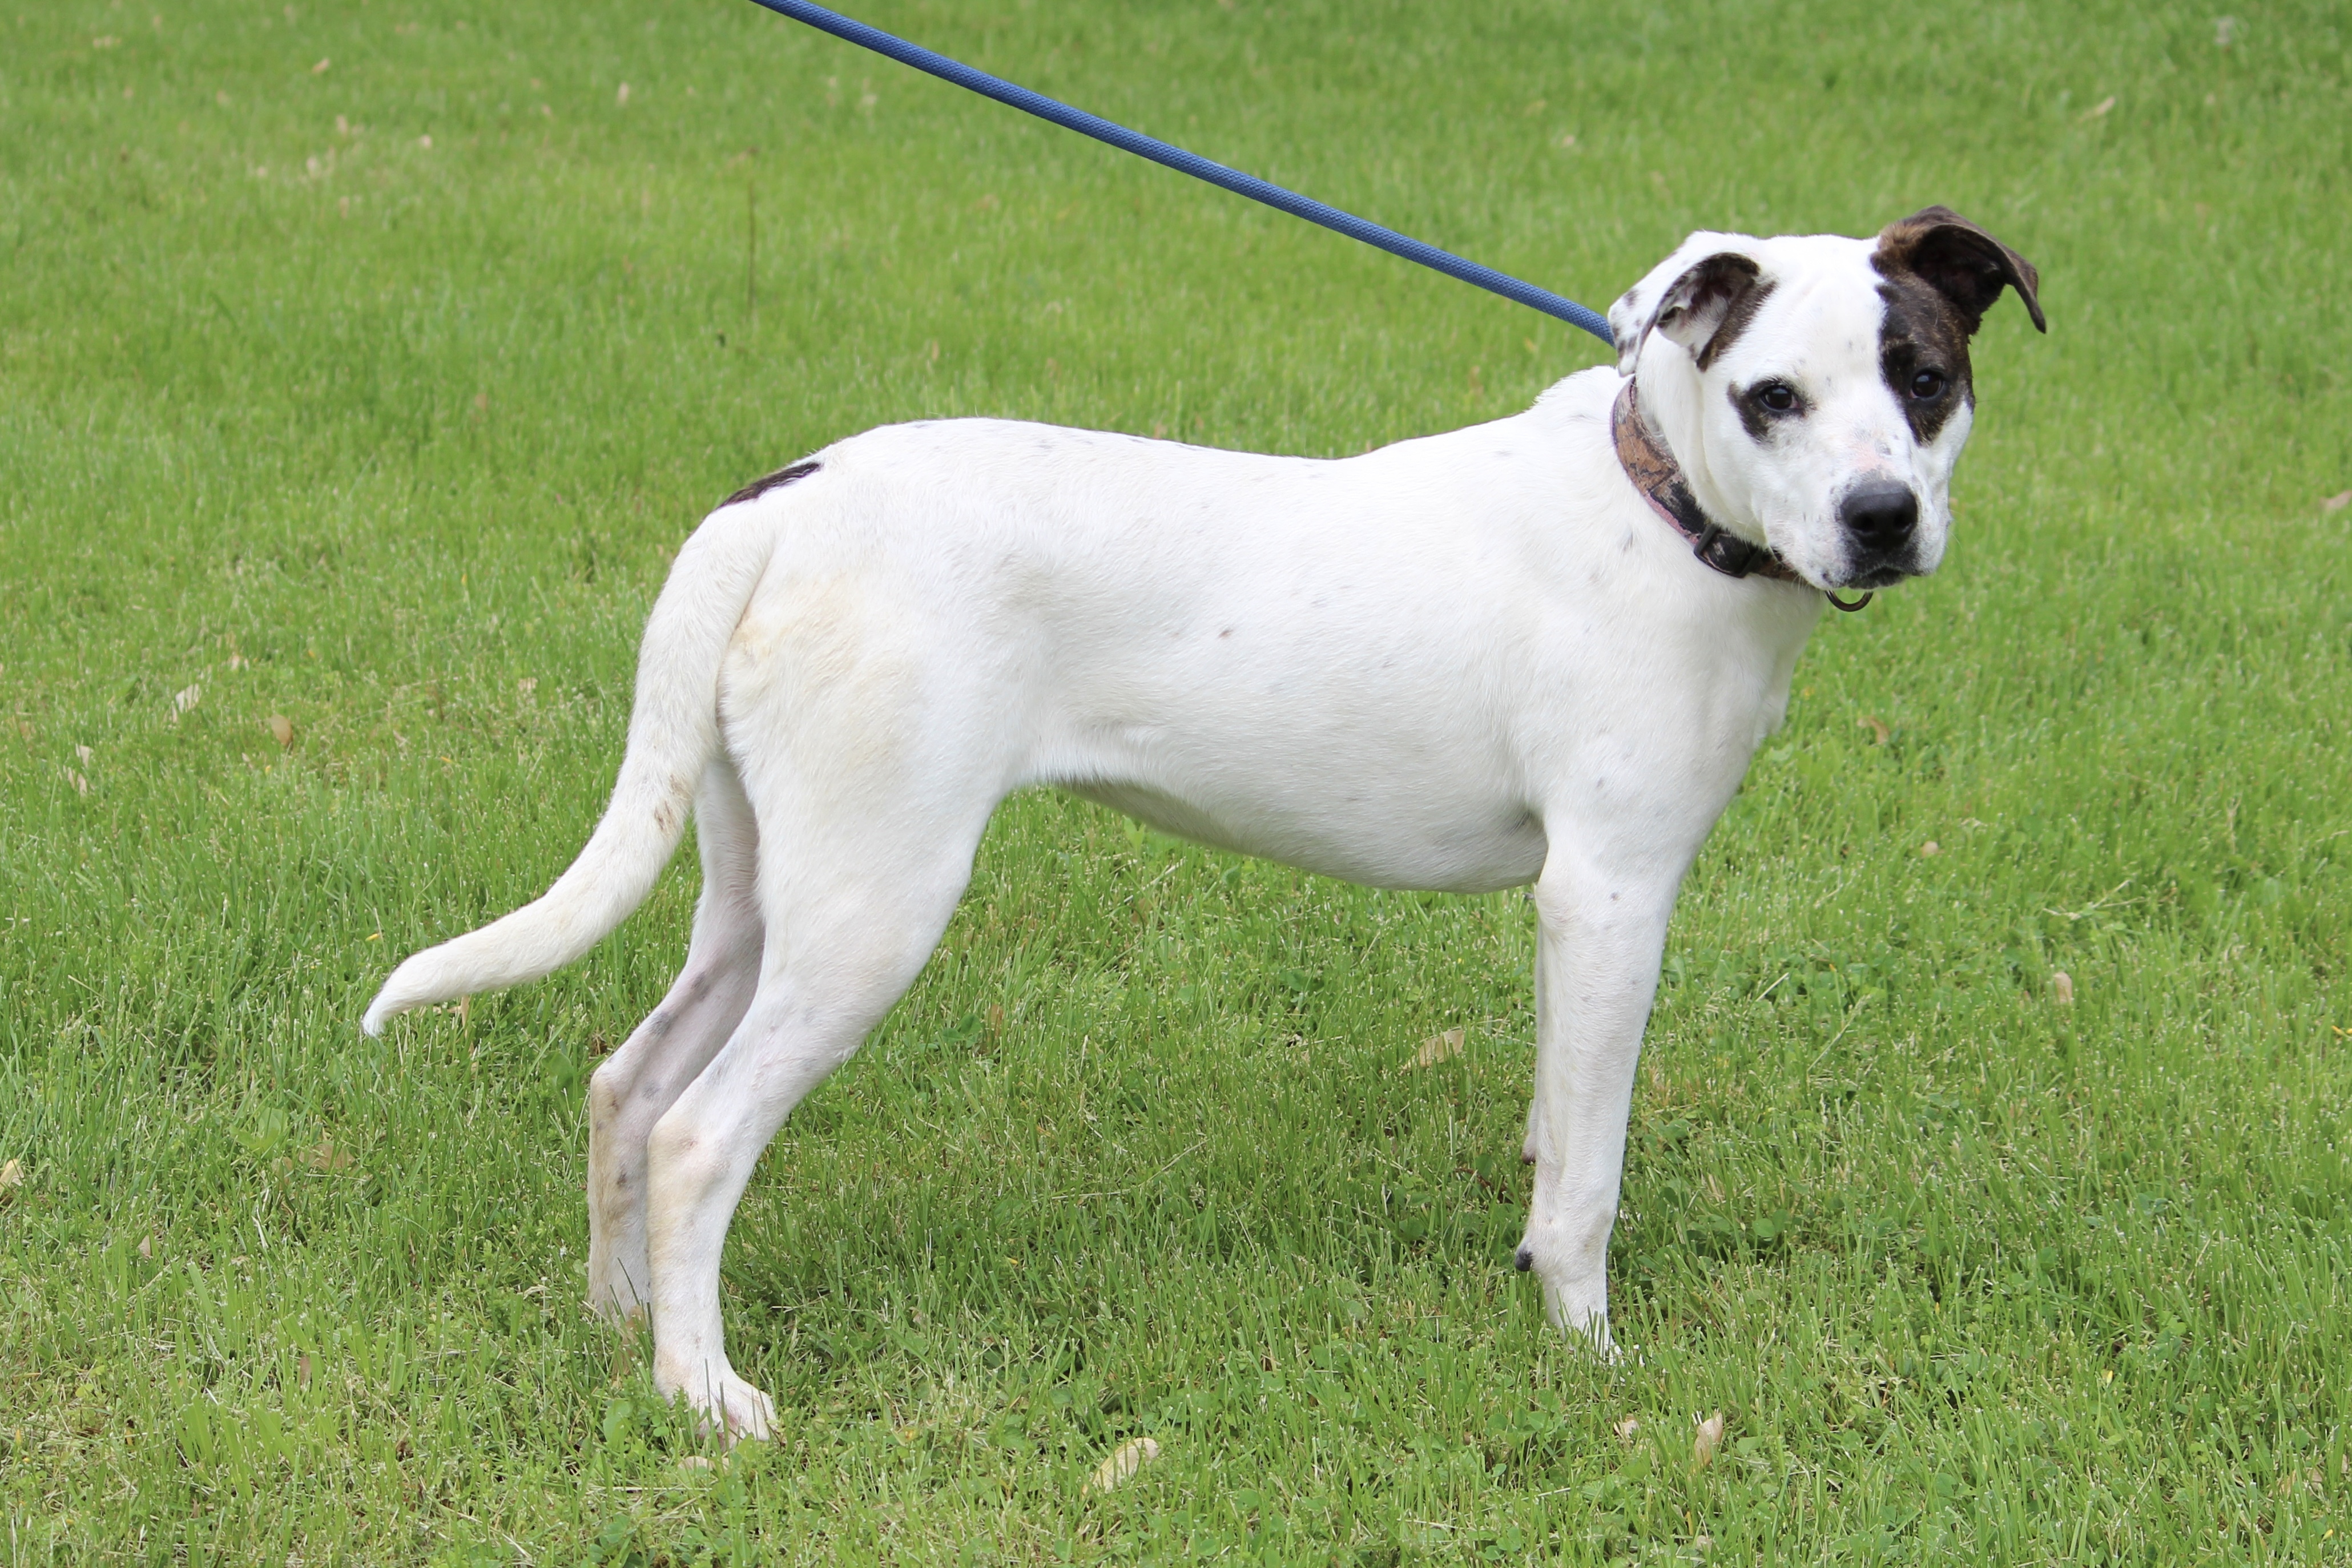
<point x="362" y="363"/>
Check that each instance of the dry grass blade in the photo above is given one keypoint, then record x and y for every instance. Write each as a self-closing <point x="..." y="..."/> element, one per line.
<point x="1706" y="1440"/>
<point x="2062" y="987"/>
<point x="1439" y="1047"/>
<point x="282" y="730"/>
<point x="185" y="698"/>
<point x="326" y="1157"/>
<point x="2337" y="502"/>
<point x="1124" y="1461"/>
<point x="12" y="1175"/>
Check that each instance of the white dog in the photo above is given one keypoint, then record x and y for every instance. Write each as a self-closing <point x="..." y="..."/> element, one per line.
<point x="1466" y="662"/>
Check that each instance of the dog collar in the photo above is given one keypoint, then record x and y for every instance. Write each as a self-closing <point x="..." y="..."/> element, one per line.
<point x="1659" y="478"/>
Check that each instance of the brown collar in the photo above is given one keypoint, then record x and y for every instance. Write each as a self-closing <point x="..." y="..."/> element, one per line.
<point x="1655" y="473"/>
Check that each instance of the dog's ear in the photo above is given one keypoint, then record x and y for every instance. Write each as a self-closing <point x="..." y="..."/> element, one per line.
<point x="1688" y="296"/>
<point x="1959" y="261"/>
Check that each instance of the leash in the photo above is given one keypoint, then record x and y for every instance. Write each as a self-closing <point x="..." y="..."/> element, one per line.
<point x="1193" y="163"/>
<point x="1731" y="557"/>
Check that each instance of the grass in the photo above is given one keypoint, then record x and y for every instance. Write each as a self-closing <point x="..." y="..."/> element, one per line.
<point x="301" y="416"/>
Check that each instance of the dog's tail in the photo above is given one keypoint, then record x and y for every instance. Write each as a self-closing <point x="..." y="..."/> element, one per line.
<point x="673" y="735"/>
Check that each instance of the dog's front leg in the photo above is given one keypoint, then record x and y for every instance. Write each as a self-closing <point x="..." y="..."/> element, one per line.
<point x="1599" y="942"/>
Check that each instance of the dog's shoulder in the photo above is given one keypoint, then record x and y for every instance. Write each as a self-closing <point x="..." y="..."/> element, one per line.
<point x="1585" y="395"/>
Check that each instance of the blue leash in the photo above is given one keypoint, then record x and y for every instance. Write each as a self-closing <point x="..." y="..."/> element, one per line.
<point x="1193" y="163"/>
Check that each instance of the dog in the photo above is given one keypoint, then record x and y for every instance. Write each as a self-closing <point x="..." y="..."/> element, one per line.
<point x="1538" y="651"/>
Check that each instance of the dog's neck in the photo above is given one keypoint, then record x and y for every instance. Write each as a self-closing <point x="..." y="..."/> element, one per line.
<point x="1659" y="478"/>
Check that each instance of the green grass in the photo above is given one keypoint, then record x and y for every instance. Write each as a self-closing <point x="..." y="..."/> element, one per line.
<point x="308" y="418"/>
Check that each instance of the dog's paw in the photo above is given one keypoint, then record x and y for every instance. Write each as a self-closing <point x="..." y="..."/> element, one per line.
<point x="1597" y="1338"/>
<point x="741" y="1411"/>
<point x="727" y="1405"/>
<point x="1576" y="1299"/>
<point x="1580" y="1316"/>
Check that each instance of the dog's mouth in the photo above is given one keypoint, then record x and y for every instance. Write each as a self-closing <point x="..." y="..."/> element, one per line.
<point x="1877" y="576"/>
<point x="1865" y="578"/>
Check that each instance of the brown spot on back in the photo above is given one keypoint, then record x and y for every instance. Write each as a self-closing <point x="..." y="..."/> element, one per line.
<point x="761" y="486"/>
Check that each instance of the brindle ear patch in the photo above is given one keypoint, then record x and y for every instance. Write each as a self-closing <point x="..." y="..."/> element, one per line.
<point x="1959" y="261"/>
<point x="1704" y="303"/>
<point x="1736" y="318"/>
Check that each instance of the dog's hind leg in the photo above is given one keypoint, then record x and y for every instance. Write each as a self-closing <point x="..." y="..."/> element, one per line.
<point x="641" y="1081"/>
<point x="847" y="936"/>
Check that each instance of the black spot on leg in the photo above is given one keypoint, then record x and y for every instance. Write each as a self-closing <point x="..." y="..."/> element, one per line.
<point x="699" y="986"/>
<point x="1525" y="1259"/>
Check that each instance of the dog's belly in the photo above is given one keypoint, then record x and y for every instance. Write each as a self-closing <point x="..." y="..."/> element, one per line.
<point x="1364" y="836"/>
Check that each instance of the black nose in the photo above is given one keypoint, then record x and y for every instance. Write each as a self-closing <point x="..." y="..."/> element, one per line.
<point x="1880" y="513"/>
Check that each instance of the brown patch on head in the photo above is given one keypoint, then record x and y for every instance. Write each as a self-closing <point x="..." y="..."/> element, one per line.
<point x="1923" y="333"/>
<point x="1959" y="261"/>
<point x="761" y="486"/>
<point x="1696" y="307"/>
<point x="1942" y="272"/>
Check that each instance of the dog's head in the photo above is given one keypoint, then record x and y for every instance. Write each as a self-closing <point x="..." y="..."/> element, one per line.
<point x="1815" y="388"/>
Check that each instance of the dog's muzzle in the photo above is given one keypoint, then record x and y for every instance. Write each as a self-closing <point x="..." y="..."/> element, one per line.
<point x="1880" y="517"/>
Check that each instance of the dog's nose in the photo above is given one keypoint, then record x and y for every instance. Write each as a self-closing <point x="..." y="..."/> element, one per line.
<point x="1880" y="514"/>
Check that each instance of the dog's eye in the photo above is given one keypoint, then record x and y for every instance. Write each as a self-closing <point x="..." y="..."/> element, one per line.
<point x="1928" y="385"/>
<point x="1779" y="399"/>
